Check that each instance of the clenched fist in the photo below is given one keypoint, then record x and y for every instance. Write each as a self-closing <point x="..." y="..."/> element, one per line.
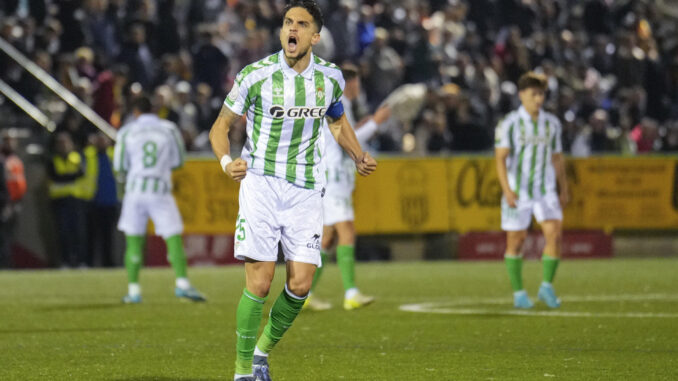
<point x="366" y="165"/>
<point x="237" y="169"/>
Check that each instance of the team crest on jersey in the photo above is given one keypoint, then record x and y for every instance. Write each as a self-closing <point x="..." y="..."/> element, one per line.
<point x="279" y="112"/>
<point x="319" y="94"/>
<point x="277" y="91"/>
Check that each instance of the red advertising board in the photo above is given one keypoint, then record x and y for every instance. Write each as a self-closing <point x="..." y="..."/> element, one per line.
<point x="576" y="244"/>
<point x="201" y="250"/>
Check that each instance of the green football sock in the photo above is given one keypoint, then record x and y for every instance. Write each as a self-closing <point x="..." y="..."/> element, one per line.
<point x="346" y="263"/>
<point x="134" y="257"/>
<point x="248" y="318"/>
<point x="319" y="270"/>
<point x="284" y="311"/>
<point x="549" y="267"/>
<point x="176" y="255"/>
<point x="514" y="265"/>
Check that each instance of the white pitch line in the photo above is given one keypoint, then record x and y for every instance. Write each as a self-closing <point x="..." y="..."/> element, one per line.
<point x="449" y="307"/>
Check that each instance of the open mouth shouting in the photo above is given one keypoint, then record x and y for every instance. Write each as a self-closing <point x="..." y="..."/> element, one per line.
<point x="292" y="44"/>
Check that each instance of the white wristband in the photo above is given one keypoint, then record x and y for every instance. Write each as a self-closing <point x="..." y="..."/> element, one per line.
<point x="224" y="161"/>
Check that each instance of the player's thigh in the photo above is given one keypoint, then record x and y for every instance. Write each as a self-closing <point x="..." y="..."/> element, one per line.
<point x="165" y="215"/>
<point x="518" y="218"/>
<point x="133" y="215"/>
<point x="257" y="231"/>
<point x="302" y="224"/>
<point x="337" y="209"/>
<point x="345" y="233"/>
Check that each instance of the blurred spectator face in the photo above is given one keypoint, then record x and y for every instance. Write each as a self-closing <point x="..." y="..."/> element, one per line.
<point x="9" y="143"/>
<point x="43" y="60"/>
<point x="532" y="99"/>
<point x="204" y="92"/>
<point x="138" y="34"/>
<point x="598" y="120"/>
<point x="64" y="144"/>
<point x="162" y="96"/>
<point x="380" y="37"/>
<point x="101" y="141"/>
<point x="298" y="33"/>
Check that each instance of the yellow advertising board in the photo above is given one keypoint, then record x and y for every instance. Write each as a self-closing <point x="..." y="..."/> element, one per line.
<point x="459" y="194"/>
<point x="403" y="196"/>
<point x="207" y="198"/>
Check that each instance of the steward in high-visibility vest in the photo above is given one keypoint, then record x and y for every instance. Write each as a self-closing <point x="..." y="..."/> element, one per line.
<point x="66" y="172"/>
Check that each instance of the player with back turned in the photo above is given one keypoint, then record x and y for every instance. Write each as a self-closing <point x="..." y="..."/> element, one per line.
<point x="529" y="159"/>
<point x="286" y="97"/>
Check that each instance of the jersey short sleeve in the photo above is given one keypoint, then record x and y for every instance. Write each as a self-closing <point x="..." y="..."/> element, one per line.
<point x="237" y="99"/>
<point x="336" y="108"/>
<point x="502" y="134"/>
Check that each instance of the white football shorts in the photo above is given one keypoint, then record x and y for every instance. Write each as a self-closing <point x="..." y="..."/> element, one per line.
<point x="337" y="209"/>
<point x="137" y="208"/>
<point x="519" y="218"/>
<point x="274" y="210"/>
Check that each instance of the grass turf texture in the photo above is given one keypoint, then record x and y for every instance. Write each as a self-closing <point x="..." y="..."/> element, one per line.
<point x="70" y="325"/>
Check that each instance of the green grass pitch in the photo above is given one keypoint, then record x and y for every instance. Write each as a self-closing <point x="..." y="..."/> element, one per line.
<point x="619" y="321"/>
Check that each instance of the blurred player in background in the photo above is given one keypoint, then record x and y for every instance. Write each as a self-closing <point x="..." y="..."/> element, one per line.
<point x="147" y="150"/>
<point x="338" y="201"/>
<point x="529" y="159"/>
<point x="286" y="97"/>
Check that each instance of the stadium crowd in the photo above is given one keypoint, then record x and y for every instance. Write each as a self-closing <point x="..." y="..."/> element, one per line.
<point x="612" y="65"/>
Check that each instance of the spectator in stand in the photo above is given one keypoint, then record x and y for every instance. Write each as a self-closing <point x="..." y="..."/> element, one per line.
<point x="646" y="136"/>
<point x="381" y="67"/>
<point x="136" y="55"/>
<point x="15" y="181"/>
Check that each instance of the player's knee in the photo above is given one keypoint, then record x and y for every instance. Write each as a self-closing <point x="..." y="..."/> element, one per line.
<point x="259" y="287"/>
<point x="300" y="287"/>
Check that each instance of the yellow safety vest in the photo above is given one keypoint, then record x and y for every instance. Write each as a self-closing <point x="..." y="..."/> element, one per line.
<point x="88" y="183"/>
<point x="65" y="166"/>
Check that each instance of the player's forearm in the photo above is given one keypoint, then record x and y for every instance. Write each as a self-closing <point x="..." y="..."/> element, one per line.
<point x="345" y="136"/>
<point x="219" y="133"/>
<point x="559" y="166"/>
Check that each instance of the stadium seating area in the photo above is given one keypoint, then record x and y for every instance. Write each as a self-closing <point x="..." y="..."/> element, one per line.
<point x="613" y="66"/>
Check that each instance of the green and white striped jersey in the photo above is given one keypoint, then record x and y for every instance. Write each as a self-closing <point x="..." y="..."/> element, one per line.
<point x="285" y="115"/>
<point x="529" y="166"/>
<point x="148" y="149"/>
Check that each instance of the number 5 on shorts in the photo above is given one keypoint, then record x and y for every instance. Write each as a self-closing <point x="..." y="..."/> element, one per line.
<point x="240" y="229"/>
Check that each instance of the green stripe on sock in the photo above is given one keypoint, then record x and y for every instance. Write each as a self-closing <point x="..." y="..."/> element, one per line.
<point x="346" y="263"/>
<point x="549" y="267"/>
<point x="248" y="319"/>
<point x="176" y="255"/>
<point x="319" y="270"/>
<point x="134" y="255"/>
<point x="284" y="311"/>
<point x="514" y="265"/>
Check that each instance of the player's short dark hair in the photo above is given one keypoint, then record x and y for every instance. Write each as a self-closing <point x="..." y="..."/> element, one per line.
<point x="532" y="79"/>
<point x="349" y="71"/>
<point x="142" y="103"/>
<point x="311" y="6"/>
